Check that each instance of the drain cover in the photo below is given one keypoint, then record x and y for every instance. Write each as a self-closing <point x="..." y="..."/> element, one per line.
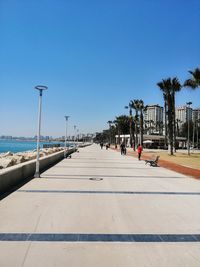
<point x="96" y="179"/>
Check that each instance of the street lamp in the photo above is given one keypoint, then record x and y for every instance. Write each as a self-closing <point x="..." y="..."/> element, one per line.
<point x="109" y="123"/>
<point x="40" y="88"/>
<point x="188" y="142"/>
<point x="66" y="118"/>
<point x="75" y="135"/>
<point x="130" y="123"/>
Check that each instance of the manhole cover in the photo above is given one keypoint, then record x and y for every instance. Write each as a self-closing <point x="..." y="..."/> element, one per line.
<point x="96" y="179"/>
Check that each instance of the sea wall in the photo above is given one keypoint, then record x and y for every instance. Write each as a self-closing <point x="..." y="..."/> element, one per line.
<point x="15" y="175"/>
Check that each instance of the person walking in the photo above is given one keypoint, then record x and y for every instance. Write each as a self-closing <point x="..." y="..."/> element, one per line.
<point x="122" y="148"/>
<point x="139" y="151"/>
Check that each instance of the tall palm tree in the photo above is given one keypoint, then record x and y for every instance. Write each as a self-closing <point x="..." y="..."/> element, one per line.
<point x="166" y="87"/>
<point x="176" y="87"/>
<point x="165" y="118"/>
<point x="194" y="81"/>
<point x="141" y="108"/>
<point x="130" y="123"/>
<point x="177" y="126"/>
<point x="122" y="124"/>
<point x="197" y="128"/>
<point x="135" y="104"/>
<point x="109" y="123"/>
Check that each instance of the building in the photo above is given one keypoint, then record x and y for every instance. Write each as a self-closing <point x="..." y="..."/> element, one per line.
<point x="183" y="113"/>
<point x="151" y="141"/>
<point x="196" y="115"/>
<point x="153" y="119"/>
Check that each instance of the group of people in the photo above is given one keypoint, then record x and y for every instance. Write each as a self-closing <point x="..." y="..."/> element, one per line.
<point x="123" y="150"/>
<point x="107" y="145"/>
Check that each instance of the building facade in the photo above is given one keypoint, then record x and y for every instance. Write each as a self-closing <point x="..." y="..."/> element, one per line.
<point x="183" y="113"/>
<point x="153" y="119"/>
<point x="196" y="115"/>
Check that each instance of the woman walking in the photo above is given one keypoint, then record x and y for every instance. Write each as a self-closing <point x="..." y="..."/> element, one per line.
<point x="139" y="151"/>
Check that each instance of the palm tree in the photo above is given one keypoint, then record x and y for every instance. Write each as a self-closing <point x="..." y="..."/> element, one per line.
<point x="166" y="87"/>
<point x="194" y="81"/>
<point x="176" y="87"/>
<point x="165" y="116"/>
<point x="109" y="123"/>
<point x="130" y="123"/>
<point x="122" y="124"/>
<point x="159" y="127"/>
<point x="177" y="126"/>
<point x="197" y="128"/>
<point x="135" y="104"/>
<point x="141" y="108"/>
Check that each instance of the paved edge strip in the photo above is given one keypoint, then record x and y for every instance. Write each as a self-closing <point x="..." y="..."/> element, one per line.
<point x="109" y="192"/>
<point x="99" y="237"/>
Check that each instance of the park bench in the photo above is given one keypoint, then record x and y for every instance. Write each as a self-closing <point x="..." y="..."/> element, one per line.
<point x="152" y="162"/>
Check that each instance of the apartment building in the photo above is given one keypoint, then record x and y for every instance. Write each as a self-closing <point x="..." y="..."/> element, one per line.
<point x="153" y="119"/>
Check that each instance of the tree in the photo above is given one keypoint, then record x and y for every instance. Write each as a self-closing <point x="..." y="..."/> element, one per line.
<point x="177" y="126"/>
<point x="194" y="81"/>
<point x="166" y="87"/>
<point x="135" y="104"/>
<point x="141" y="108"/>
<point x="176" y="87"/>
<point x="109" y="123"/>
<point x="122" y="124"/>
<point x="130" y="124"/>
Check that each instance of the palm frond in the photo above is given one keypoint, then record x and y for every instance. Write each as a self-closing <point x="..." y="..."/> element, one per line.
<point x="190" y="83"/>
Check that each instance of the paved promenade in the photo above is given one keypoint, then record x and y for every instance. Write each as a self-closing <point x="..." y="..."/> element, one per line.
<point x="101" y="209"/>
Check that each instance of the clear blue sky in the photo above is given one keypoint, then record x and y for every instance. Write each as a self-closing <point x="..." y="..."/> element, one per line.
<point x="94" y="55"/>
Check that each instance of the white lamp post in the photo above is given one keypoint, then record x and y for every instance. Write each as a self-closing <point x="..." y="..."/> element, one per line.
<point x="188" y="142"/>
<point x="75" y="135"/>
<point x="66" y="118"/>
<point x="40" y="88"/>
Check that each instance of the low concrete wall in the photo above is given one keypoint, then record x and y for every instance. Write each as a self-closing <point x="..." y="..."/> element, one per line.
<point x="15" y="175"/>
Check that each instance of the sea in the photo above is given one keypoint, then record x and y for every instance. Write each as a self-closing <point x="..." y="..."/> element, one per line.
<point x="15" y="146"/>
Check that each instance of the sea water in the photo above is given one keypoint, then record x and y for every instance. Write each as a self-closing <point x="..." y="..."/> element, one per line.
<point x="20" y="146"/>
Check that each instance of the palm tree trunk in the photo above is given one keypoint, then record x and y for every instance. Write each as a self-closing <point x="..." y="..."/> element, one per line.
<point x="131" y="134"/>
<point x="118" y="137"/>
<point x="136" y="129"/>
<point x="165" y="107"/>
<point x="170" y="125"/>
<point x="174" y="121"/>
<point x="141" y="128"/>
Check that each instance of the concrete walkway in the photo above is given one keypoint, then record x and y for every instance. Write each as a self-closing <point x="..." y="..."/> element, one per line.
<point x="101" y="209"/>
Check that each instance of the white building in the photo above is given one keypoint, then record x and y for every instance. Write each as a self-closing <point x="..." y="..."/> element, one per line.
<point x="153" y="119"/>
<point x="183" y="113"/>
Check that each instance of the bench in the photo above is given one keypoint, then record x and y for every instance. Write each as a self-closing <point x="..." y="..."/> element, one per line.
<point x="152" y="162"/>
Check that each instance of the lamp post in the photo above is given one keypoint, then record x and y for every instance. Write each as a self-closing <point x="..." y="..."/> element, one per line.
<point x="188" y="142"/>
<point x="40" y="88"/>
<point x="75" y="135"/>
<point x="130" y="123"/>
<point x="66" y="118"/>
<point x="110" y="134"/>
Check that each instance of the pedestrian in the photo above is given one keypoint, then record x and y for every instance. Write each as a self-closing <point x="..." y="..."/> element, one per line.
<point x="139" y="151"/>
<point x="101" y="145"/>
<point x="124" y="150"/>
<point x="122" y="147"/>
